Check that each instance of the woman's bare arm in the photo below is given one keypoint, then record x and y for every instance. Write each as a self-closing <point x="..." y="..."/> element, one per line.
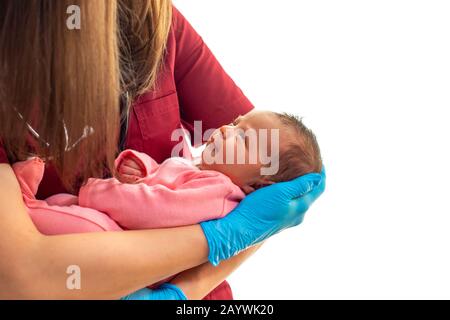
<point x="199" y="281"/>
<point x="112" y="264"/>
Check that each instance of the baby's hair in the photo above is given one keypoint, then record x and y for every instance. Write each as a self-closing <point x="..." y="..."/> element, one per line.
<point x="302" y="155"/>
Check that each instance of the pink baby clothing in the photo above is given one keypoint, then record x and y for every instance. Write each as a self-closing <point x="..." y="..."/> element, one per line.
<point x="175" y="193"/>
<point x="59" y="214"/>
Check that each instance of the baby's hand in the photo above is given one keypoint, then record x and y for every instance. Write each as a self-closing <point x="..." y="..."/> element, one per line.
<point x="130" y="171"/>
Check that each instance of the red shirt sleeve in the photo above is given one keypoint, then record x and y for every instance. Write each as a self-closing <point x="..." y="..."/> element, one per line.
<point x="205" y="91"/>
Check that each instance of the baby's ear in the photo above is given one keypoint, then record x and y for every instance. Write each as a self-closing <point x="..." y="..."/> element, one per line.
<point x="247" y="189"/>
<point x="258" y="184"/>
<point x="265" y="181"/>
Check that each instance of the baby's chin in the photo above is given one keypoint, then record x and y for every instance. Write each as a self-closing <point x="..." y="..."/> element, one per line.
<point x="202" y="164"/>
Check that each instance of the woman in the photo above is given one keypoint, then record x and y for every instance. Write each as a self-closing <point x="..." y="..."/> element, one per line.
<point x="59" y="99"/>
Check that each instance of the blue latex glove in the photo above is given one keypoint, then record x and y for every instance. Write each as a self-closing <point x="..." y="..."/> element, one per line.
<point x="166" y="291"/>
<point x="262" y="214"/>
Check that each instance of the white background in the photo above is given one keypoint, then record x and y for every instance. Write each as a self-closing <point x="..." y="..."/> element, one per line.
<point x="372" y="79"/>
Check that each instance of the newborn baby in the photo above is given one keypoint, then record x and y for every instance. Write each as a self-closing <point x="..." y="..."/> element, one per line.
<point x="145" y="194"/>
<point x="178" y="192"/>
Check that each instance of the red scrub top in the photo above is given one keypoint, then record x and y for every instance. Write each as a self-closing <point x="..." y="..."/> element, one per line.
<point x="192" y="86"/>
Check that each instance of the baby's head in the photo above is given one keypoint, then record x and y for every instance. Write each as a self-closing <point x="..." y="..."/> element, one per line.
<point x="262" y="148"/>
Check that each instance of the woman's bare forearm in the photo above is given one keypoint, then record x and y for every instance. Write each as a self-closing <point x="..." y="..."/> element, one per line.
<point x="199" y="281"/>
<point x="112" y="264"/>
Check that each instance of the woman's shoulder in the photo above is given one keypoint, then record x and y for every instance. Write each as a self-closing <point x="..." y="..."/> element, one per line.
<point x="179" y="22"/>
<point x="184" y="36"/>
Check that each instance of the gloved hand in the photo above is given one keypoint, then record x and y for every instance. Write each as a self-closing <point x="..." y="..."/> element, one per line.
<point x="166" y="291"/>
<point x="262" y="214"/>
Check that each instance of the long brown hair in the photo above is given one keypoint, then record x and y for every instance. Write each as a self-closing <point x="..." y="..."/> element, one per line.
<point x="61" y="84"/>
<point x="144" y="27"/>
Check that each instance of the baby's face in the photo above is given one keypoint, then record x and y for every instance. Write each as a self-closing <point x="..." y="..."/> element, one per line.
<point x="239" y="150"/>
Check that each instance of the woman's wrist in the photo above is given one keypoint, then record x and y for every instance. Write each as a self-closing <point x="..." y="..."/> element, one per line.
<point x="197" y="282"/>
<point x="191" y="282"/>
